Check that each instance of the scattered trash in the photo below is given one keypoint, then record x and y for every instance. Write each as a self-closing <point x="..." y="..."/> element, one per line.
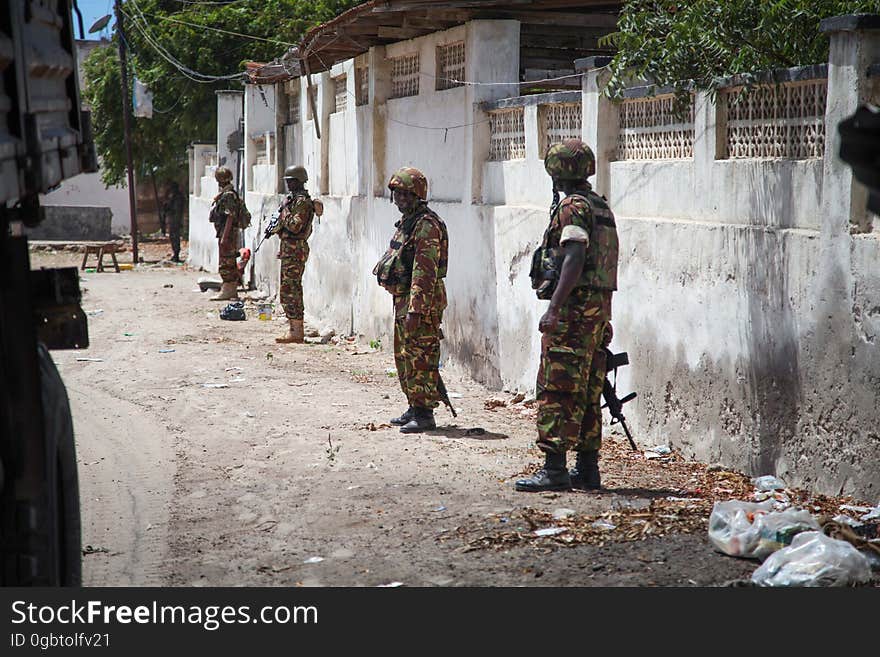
<point x="167" y="351"/>
<point x="353" y="487"/>
<point x="814" y="559"/>
<point x="215" y="385"/>
<point x="768" y="483"/>
<point x="233" y="369"/>
<point x="475" y="431"/>
<point x="518" y="397"/>
<point x="314" y="560"/>
<point x="746" y="529"/>
<point x="603" y="524"/>
<point x="455" y="395"/>
<point x="128" y="334"/>
<point x="846" y="520"/>
<point x="264" y="311"/>
<point x="90" y="360"/>
<point x="88" y="549"/>
<point x="233" y="312"/>
<point x="550" y="531"/>
<point x="95" y="313"/>
<point x="390" y="585"/>
<point x="249" y="414"/>
<point x="236" y="380"/>
<point x="168" y="285"/>
<point x="562" y="514"/>
<point x="494" y="402"/>
<point x="659" y="450"/>
<point x="439" y="508"/>
<point x="206" y="284"/>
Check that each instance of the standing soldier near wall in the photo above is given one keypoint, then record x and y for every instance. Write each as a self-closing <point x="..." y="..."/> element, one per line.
<point x="229" y="215"/>
<point x="576" y="269"/>
<point x="412" y="270"/>
<point x="294" y="228"/>
<point x="173" y="211"/>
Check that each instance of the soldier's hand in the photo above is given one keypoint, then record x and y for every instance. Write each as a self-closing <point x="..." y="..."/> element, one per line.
<point x="412" y="322"/>
<point x="549" y="321"/>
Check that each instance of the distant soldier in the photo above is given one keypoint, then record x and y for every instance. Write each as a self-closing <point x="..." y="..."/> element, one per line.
<point x="173" y="213"/>
<point x="294" y="228"/>
<point x="412" y="270"/>
<point x="229" y="215"/>
<point x="576" y="269"/>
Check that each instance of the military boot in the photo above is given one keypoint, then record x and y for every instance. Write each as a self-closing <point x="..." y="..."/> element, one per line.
<point x="422" y="420"/>
<point x="227" y="291"/>
<point x="405" y="417"/>
<point x="585" y="473"/>
<point x="553" y="476"/>
<point x="294" y="333"/>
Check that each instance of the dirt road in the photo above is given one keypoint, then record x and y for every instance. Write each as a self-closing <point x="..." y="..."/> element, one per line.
<point x="209" y="455"/>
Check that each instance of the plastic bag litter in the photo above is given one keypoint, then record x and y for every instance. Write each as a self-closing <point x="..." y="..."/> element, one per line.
<point x="814" y="559"/>
<point x="768" y="482"/>
<point x="233" y="311"/>
<point x="755" y="530"/>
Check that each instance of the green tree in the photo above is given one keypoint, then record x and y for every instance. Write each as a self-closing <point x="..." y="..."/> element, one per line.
<point x="174" y="48"/>
<point x="692" y="43"/>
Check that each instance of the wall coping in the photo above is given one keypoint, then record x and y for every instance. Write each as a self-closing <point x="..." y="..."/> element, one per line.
<point x="850" y="23"/>
<point x="534" y="99"/>
<point x="592" y="63"/>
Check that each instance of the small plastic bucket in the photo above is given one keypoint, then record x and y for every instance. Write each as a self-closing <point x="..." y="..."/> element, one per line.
<point x="264" y="311"/>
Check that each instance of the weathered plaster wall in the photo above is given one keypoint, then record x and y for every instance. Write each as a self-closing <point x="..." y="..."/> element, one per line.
<point x="748" y="306"/>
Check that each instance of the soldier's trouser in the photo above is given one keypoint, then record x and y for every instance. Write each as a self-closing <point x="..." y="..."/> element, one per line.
<point x="417" y="356"/>
<point x="293" y="254"/>
<point x="228" y="268"/>
<point x="174" y="237"/>
<point x="571" y="374"/>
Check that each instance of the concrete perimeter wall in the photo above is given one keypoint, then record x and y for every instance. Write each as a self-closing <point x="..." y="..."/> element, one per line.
<point x="749" y="297"/>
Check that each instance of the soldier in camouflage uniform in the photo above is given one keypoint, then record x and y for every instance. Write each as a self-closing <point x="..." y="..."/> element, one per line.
<point x="224" y="215"/>
<point x="294" y="228"/>
<point x="412" y="270"/>
<point x="576" y="268"/>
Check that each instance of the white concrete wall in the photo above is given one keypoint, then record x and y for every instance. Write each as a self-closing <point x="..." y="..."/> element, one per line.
<point x="746" y="303"/>
<point x="87" y="189"/>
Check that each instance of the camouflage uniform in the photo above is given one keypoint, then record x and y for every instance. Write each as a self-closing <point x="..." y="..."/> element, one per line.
<point x="572" y="370"/>
<point x="225" y="203"/>
<point x="174" y="212"/>
<point x="412" y="270"/>
<point x="577" y="328"/>
<point x="294" y="229"/>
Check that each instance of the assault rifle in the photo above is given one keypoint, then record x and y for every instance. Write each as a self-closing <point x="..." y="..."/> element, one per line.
<point x="609" y="392"/>
<point x="444" y="396"/>
<point x="271" y="227"/>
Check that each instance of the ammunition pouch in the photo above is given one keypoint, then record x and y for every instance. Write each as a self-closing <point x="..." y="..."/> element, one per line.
<point x="545" y="270"/>
<point x="392" y="271"/>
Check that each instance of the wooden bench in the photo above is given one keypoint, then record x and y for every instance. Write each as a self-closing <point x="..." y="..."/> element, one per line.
<point x="100" y="249"/>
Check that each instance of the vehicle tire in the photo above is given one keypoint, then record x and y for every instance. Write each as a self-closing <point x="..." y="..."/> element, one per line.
<point x="58" y="427"/>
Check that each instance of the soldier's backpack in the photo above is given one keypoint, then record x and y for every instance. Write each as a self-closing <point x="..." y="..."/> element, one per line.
<point x="244" y="215"/>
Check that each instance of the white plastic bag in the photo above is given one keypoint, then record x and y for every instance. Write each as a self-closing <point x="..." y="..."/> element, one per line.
<point x="814" y="559"/>
<point x="747" y="529"/>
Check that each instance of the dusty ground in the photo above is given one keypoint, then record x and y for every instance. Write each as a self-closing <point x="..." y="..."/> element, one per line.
<point x="288" y="474"/>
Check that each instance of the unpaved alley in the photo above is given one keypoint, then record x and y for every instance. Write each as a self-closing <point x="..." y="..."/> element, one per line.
<point x="209" y="455"/>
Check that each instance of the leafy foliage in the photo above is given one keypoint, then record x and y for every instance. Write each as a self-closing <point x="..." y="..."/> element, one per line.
<point x="185" y="110"/>
<point x="692" y="43"/>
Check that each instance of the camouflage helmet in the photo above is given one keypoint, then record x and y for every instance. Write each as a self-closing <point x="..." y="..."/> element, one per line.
<point x="411" y="180"/>
<point x="223" y="175"/>
<point x="571" y="159"/>
<point x="296" y="173"/>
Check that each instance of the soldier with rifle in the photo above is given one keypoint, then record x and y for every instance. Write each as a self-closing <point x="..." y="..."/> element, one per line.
<point x="412" y="270"/>
<point x="576" y="270"/>
<point x="229" y="215"/>
<point x="293" y="225"/>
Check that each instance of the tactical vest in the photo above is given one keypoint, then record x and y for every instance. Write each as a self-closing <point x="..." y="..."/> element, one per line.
<point x="394" y="269"/>
<point x="600" y="266"/>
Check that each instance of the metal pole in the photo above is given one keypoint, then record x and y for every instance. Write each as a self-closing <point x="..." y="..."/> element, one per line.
<point x="126" y="126"/>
